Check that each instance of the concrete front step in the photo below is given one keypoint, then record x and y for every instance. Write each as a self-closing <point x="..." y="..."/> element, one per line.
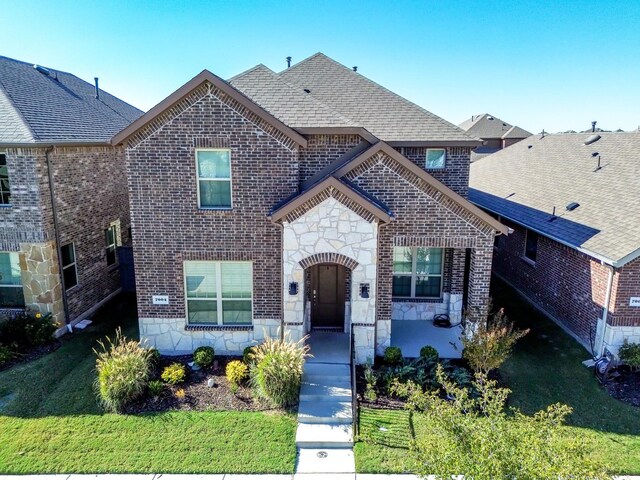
<point x="328" y="382"/>
<point x="330" y="460"/>
<point x="325" y="412"/>
<point x="327" y="369"/>
<point x="324" y="393"/>
<point x="324" y="436"/>
<point x="324" y="379"/>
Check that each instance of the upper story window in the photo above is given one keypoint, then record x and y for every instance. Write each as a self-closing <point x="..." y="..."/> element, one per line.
<point x="531" y="245"/>
<point x="5" y="193"/>
<point x="218" y="293"/>
<point x="214" y="178"/>
<point x="69" y="266"/>
<point x="110" y="239"/>
<point x="417" y="272"/>
<point x="436" y="158"/>
<point x="11" y="294"/>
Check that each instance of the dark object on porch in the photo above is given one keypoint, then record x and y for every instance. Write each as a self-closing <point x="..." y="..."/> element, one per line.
<point x="442" y="320"/>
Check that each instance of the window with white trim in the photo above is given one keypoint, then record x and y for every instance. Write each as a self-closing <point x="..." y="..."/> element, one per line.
<point x="5" y="192"/>
<point x="436" y="158"/>
<point x="218" y="293"/>
<point x="11" y="293"/>
<point x="531" y="245"/>
<point x="110" y="239"/>
<point x="69" y="265"/>
<point x="417" y="272"/>
<point x="213" y="170"/>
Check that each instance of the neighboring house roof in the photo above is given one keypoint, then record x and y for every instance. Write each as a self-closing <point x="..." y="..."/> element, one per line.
<point x="51" y="106"/>
<point x="487" y="126"/>
<point x="353" y="100"/>
<point x="190" y="86"/>
<point x="525" y="181"/>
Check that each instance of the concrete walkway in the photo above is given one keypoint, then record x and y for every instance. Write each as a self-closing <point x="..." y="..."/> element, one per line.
<point x="228" y="476"/>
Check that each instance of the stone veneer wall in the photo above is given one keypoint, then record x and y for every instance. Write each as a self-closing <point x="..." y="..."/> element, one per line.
<point x="41" y="279"/>
<point x="327" y="228"/>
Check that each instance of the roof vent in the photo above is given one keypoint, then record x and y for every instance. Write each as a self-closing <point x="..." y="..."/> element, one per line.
<point x="592" y="139"/>
<point x="306" y="90"/>
<point x="41" y="69"/>
<point x="288" y="62"/>
<point x="355" y="69"/>
<point x="572" y="206"/>
<point x="529" y="146"/>
<point x="489" y="118"/>
<point x="594" y="154"/>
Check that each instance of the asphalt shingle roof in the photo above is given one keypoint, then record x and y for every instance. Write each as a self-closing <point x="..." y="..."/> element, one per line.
<point x="487" y="126"/>
<point x="353" y="100"/>
<point x="525" y="181"/>
<point x="56" y="107"/>
<point x="289" y="104"/>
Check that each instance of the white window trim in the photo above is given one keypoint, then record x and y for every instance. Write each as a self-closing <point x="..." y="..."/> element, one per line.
<point x="524" y="250"/>
<point x="4" y="205"/>
<point x="230" y="179"/>
<point x="74" y="265"/>
<point x="218" y="299"/>
<point x="426" y="156"/>
<point x="6" y="285"/>
<point x="114" y="244"/>
<point x="414" y="275"/>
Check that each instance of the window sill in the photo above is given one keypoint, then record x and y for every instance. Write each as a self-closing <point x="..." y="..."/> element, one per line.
<point x="112" y="267"/>
<point x="71" y="289"/>
<point x="528" y="261"/>
<point x="218" y="328"/>
<point x="5" y="205"/>
<point x="215" y="209"/>
<point x="417" y="299"/>
<point x="438" y="169"/>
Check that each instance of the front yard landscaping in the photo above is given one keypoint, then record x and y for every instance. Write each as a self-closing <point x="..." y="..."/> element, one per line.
<point x="545" y="368"/>
<point x="50" y="421"/>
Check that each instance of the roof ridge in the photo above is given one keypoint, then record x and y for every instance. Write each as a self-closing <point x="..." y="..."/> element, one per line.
<point x="403" y="99"/>
<point x="17" y="111"/>
<point x="249" y="70"/>
<point x="304" y="60"/>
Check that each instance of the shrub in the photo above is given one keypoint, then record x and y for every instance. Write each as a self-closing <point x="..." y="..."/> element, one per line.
<point x="429" y="352"/>
<point x="26" y="330"/>
<point x="236" y="373"/>
<point x="174" y="374"/>
<point x="203" y="356"/>
<point x="155" y="388"/>
<point x="277" y="370"/>
<point x="629" y="353"/>
<point x="123" y="370"/>
<point x="154" y="357"/>
<point x="393" y="356"/>
<point x="488" y="343"/>
<point x="478" y="436"/>
<point x="370" y="380"/>
<point x="6" y="354"/>
<point x="247" y="355"/>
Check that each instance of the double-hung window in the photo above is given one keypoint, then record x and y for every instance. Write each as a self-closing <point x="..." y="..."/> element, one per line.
<point x="436" y="158"/>
<point x="213" y="168"/>
<point x="69" y="266"/>
<point x="110" y="239"/>
<point x="531" y="245"/>
<point x="5" y="192"/>
<point x="417" y="272"/>
<point x="218" y="293"/>
<point x="11" y="294"/>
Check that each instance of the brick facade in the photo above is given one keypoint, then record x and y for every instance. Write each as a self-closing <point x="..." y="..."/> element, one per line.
<point x="322" y="150"/>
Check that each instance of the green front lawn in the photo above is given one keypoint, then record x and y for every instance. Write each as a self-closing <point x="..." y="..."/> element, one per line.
<point x="50" y="422"/>
<point x="544" y="369"/>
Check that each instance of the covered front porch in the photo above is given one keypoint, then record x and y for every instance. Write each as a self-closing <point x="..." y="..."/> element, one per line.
<point x="412" y="335"/>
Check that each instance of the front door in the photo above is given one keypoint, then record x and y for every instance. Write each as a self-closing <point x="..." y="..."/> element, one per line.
<point x="327" y="296"/>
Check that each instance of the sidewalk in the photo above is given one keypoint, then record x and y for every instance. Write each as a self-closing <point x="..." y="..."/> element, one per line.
<point x="228" y="476"/>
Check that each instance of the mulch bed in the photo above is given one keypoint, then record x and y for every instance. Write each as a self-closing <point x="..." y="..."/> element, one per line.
<point x="625" y="387"/>
<point x="33" y="354"/>
<point x="198" y="396"/>
<point x="383" y="401"/>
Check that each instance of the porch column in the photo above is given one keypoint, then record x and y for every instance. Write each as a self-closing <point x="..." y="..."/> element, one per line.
<point x="479" y="279"/>
<point x="457" y="284"/>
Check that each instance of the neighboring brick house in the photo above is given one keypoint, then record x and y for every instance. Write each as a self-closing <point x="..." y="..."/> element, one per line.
<point x="307" y="199"/>
<point x="63" y="194"/>
<point x="572" y="201"/>
<point x="496" y="134"/>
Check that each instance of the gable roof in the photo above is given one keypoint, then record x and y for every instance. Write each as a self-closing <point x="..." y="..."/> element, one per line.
<point x="360" y="154"/>
<point x="487" y="126"/>
<point x="525" y="181"/>
<point x="354" y="100"/>
<point x="51" y="106"/>
<point x="190" y="86"/>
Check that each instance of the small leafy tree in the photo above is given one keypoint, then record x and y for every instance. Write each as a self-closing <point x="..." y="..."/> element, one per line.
<point x="629" y="353"/>
<point x="476" y="437"/>
<point x="488" y="342"/>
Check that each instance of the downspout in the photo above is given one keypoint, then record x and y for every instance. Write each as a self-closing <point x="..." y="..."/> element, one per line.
<point x="605" y="310"/>
<point x="282" y="282"/>
<point x="56" y="231"/>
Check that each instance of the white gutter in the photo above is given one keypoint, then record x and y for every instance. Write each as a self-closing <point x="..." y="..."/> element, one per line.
<point x="605" y="312"/>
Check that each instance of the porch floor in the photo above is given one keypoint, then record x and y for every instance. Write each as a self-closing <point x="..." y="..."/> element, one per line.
<point x="412" y="335"/>
<point x="329" y="347"/>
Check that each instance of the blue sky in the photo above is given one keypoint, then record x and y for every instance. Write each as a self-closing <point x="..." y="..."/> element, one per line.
<point x="555" y="65"/>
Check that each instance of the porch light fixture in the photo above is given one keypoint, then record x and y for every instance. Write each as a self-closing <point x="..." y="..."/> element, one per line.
<point x="293" y="288"/>
<point x="364" y="290"/>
